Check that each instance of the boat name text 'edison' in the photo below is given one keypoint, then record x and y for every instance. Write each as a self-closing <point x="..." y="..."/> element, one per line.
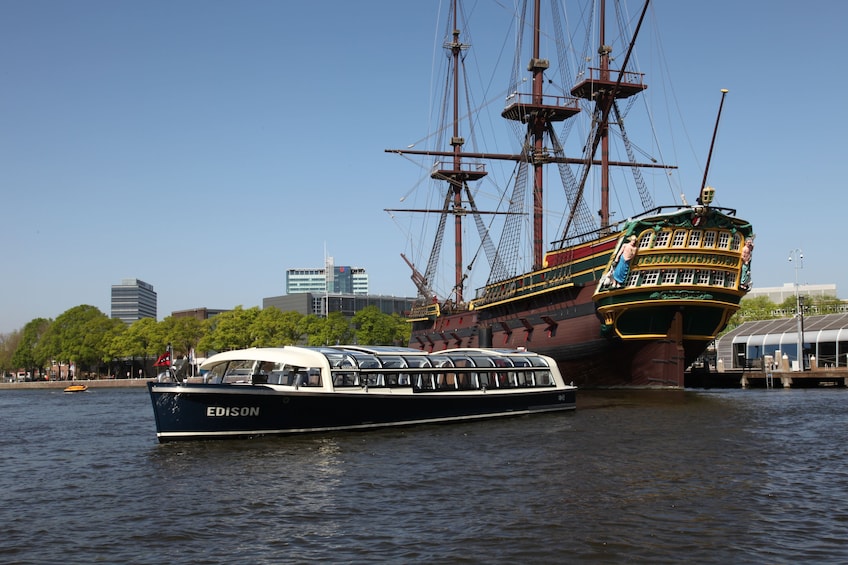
<point x="214" y="411"/>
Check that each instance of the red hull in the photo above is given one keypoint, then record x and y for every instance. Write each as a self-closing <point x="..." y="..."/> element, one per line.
<point x="568" y="330"/>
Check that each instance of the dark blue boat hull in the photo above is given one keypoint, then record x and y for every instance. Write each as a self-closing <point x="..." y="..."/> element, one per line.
<point x="219" y="411"/>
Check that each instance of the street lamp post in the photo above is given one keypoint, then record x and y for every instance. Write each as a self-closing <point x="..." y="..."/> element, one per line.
<point x="797" y="256"/>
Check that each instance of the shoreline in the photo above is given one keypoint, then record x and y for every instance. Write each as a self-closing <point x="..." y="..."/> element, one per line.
<point x="95" y="383"/>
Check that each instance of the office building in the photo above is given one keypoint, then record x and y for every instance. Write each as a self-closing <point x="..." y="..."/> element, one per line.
<point x="307" y="303"/>
<point x="331" y="279"/>
<point x="133" y="300"/>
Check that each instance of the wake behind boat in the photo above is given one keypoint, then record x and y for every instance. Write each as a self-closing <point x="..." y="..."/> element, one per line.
<point x="289" y="390"/>
<point x="628" y="303"/>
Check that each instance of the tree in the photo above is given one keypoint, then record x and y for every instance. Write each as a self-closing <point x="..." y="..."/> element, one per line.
<point x="376" y="328"/>
<point x="757" y="308"/>
<point x="184" y="334"/>
<point x="140" y="339"/>
<point x="332" y="330"/>
<point x="81" y="335"/>
<point x="8" y="345"/>
<point x="273" y="328"/>
<point x="28" y="355"/>
<point x="230" y="330"/>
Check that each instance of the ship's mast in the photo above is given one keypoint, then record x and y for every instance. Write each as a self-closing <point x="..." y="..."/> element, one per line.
<point x="604" y="86"/>
<point x="539" y="112"/>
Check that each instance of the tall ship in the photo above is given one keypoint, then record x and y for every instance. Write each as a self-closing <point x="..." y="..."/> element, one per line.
<point x="631" y="302"/>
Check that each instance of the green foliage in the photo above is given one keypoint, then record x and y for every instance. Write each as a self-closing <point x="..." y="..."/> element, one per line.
<point x="332" y="330"/>
<point x="184" y="334"/>
<point x="29" y="354"/>
<point x="230" y="330"/>
<point x="87" y="337"/>
<point x="8" y="345"/>
<point x="273" y="328"/>
<point x="82" y="335"/>
<point x="373" y="327"/>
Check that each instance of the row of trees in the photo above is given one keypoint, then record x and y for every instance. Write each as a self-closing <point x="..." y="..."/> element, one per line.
<point x="94" y="342"/>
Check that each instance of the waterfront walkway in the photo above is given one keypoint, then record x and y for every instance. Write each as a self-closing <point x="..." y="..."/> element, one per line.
<point x="99" y="383"/>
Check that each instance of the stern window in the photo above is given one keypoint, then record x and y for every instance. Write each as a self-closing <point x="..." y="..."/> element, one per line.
<point x="694" y="238"/>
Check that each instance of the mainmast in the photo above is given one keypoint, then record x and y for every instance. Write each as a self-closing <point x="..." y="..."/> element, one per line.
<point x="538" y="111"/>
<point x="604" y="86"/>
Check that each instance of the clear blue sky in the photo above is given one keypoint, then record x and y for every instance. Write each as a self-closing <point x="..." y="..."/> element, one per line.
<point x="207" y="146"/>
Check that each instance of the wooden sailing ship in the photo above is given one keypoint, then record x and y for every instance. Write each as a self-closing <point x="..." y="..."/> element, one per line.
<point x="631" y="303"/>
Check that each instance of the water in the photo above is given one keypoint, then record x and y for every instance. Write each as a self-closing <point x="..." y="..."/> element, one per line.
<point x="732" y="476"/>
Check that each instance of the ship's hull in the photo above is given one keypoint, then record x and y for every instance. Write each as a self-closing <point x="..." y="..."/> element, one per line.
<point x="216" y="411"/>
<point x="683" y="281"/>
<point x="570" y="331"/>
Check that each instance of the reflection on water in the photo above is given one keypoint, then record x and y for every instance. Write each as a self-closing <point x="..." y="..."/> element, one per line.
<point x="632" y="476"/>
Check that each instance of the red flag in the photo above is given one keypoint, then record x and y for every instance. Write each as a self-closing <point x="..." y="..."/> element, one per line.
<point x="164" y="360"/>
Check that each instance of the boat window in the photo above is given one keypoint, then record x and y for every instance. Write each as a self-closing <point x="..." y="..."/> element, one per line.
<point x="718" y="280"/>
<point x="650" y="278"/>
<point x="695" y="238"/>
<point x="345" y="378"/>
<point x="736" y="242"/>
<point x="679" y="238"/>
<point x="703" y="277"/>
<point x="723" y="240"/>
<point x="730" y="280"/>
<point x="669" y="277"/>
<point x="709" y="239"/>
<point x="645" y="240"/>
<point x="662" y="239"/>
<point x="238" y="372"/>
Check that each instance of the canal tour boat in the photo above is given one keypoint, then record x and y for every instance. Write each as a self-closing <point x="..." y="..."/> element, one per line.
<point x="290" y="390"/>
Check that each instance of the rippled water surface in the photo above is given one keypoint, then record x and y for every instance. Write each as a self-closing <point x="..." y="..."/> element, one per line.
<point x="756" y="476"/>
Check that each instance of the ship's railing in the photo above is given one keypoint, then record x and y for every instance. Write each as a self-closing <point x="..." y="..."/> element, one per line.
<point x="538" y="281"/>
<point x="630" y="78"/>
<point x="526" y="99"/>
<point x="472" y="168"/>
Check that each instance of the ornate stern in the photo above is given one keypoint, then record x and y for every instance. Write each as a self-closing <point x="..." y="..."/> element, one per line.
<point x="693" y="261"/>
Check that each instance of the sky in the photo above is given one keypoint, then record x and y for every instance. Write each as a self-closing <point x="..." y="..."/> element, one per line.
<point x="207" y="146"/>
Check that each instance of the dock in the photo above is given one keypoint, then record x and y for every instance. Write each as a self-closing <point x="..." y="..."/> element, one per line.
<point x="91" y="384"/>
<point x="768" y="378"/>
